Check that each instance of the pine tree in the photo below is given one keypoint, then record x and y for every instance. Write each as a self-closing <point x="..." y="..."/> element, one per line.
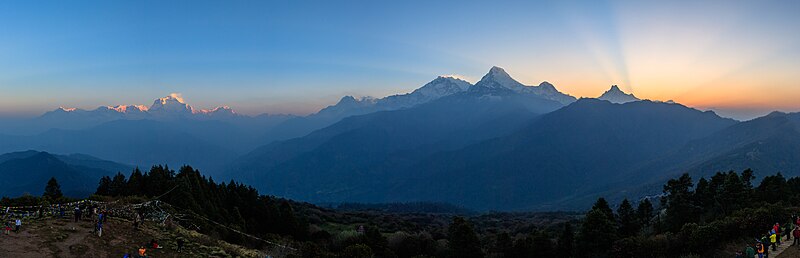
<point x="597" y="233"/>
<point x="679" y="202"/>
<point x="704" y="194"/>
<point x="104" y="187"/>
<point x="602" y="205"/>
<point x="734" y="193"/>
<point x="773" y="189"/>
<point x="135" y="183"/>
<point x="627" y="220"/>
<point x="644" y="212"/>
<point x="118" y="185"/>
<point x="566" y="241"/>
<point x="52" y="190"/>
<point x="463" y="240"/>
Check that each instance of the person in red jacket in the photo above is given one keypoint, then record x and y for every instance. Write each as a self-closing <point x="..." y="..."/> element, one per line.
<point x="796" y="234"/>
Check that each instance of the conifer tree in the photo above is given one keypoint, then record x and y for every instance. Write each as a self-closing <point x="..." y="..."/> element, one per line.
<point x="644" y="212"/>
<point x="627" y="220"/>
<point x="597" y="232"/>
<point x="117" y="186"/>
<point x="679" y="203"/>
<point x="52" y="190"/>
<point x="566" y="241"/>
<point x="104" y="187"/>
<point x="463" y="240"/>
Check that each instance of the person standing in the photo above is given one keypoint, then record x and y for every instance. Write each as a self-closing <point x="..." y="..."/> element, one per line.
<point x="7" y="227"/>
<point x="18" y="223"/>
<point x="136" y="222"/>
<point x="765" y="244"/>
<point x="796" y="234"/>
<point x="142" y="251"/>
<point x="749" y="251"/>
<point x="761" y="250"/>
<point x="773" y="241"/>
<point x="180" y="245"/>
<point x="100" y="224"/>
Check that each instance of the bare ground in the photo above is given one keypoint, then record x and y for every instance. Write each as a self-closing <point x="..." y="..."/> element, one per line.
<point x="64" y="238"/>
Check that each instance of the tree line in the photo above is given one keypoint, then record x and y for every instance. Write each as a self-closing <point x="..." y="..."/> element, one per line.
<point x="694" y="218"/>
<point x="233" y="204"/>
<point x="691" y="217"/>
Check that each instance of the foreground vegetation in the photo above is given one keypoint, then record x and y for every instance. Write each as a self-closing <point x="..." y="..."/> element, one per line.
<point x="712" y="218"/>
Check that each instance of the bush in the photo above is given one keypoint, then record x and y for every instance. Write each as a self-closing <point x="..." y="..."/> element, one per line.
<point x="357" y="251"/>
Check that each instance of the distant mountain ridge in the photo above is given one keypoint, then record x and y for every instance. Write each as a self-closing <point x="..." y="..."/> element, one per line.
<point x="362" y="157"/>
<point x="540" y="161"/>
<point x="172" y="106"/>
<point x="28" y="172"/>
<point x="494" y="145"/>
<point x="495" y="84"/>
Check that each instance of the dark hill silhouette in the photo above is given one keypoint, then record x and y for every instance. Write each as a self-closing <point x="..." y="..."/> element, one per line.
<point x="140" y="142"/>
<point x="28" y="172"/>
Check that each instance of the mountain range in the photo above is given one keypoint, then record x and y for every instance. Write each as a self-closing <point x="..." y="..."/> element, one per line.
<point x="494" y="145"/>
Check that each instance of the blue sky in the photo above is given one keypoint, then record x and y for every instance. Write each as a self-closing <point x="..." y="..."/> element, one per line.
<point x="298" y="56"/>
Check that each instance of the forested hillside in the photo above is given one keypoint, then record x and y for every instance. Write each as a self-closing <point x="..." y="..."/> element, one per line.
<point x="709" y="217"/>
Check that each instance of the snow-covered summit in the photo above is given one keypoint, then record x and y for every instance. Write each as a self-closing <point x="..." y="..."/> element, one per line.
<point x="126" y="108"/>
<point x="442" y="86"/>
<point x="498" y="78"/>
<point x="171" y="105"/>
<point x="216" y="110"/>
<point x="615" y="95"/>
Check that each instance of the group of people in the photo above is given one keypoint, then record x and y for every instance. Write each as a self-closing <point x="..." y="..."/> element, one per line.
<point x="773" y="237"/>
<point x="100" y="219"/>
<point x="142" y="252"/>
<point x="7" y="226"/>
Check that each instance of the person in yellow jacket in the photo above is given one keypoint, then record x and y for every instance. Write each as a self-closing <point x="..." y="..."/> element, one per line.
<point x="774" y="240"/>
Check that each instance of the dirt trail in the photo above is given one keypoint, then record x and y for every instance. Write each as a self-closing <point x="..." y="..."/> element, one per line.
<point x="785" y="244"/>
<point x="65" y="238"/>
<point x="788" y="251"/>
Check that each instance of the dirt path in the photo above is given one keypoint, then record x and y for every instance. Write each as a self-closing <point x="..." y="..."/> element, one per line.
<point x="66" y="238"/>
<point x="790" y="252"/>
<point x="781" y="253"/>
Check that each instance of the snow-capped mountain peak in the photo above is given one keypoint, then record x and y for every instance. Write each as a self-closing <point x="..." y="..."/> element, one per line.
<point x="615" y="95"/>
<point x="217" y="111"/>
<point x="127" y="108"/>
<point x="169" y="107"/>
<point x="171" y="98"/>
<point x="440" y="87"/>
<point x="547" y="86"/>
<point x="498" y="78"/>
<point x="172" y="104"/>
